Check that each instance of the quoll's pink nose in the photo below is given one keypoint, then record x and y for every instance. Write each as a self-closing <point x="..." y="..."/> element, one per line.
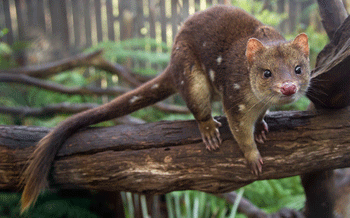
<point x="288" y="88"/>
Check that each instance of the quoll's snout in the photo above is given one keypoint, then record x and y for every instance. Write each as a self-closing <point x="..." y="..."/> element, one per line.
<point x="288" y="88"/>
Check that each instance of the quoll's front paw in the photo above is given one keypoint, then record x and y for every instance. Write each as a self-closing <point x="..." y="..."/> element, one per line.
<point x="260" y="131"/>
<point x="210" y="133"/>
<point x="255" y="161"/>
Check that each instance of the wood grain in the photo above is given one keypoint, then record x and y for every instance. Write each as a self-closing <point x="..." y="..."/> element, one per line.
<point x="165" y="156"/>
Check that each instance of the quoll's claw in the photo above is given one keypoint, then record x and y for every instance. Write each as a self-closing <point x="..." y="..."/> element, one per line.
<point x="217" y="123"/>
<point x="210" y="134"/>
<point x="256" y="167"/>
<point x="263" y="135"/>
<point x="218" y="135"/>
<point x="255" y="161"/>
<point x="260" y="132"/>
<point x="212" y="142"/>
<point x="259" y="138"/>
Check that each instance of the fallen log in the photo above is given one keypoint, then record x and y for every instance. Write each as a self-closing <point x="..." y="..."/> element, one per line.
<point x="165" y="156"/>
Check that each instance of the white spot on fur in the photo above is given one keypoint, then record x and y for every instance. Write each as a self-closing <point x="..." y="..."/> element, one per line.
<point x="207" y="128"/>
<point x="155" y="86"/>
<point x="219" y="60"/>
<point x="204" y="44"/>
<point x="241" y="123"/>
<point x="134" y="99"/>
<point x="241" y="107"/>
<point x="182" y="82"/>
<point x="236" y="86"/>
<point x="212" y="75"/>
<point x="230" y="97"/>
<point x="203" y="67"/>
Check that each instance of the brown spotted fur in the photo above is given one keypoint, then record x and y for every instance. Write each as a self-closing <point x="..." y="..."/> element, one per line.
<point x="211" y="58"/>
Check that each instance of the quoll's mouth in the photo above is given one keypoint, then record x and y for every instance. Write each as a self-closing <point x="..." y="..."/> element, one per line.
<point x="285" y="99"/>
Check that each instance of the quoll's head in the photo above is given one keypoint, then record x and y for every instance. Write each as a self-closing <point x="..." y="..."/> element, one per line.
<point x="279" y="73"/>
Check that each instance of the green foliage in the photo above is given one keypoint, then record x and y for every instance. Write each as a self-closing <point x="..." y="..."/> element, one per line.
<point x="317" y="41"/>
<point x="5" y="49"/>
<point x="236" y="203"/>
<point x="149" y="114"/>
<point x="20" y="45"/>
<point x="72" y="78"/>
<point x="48" y="205"/>
<point x="3" y="32"/>
<point x="146" y="50"/>
<point x="145" y="71"/>
<point x="271" y="18"/>
<point x="8" y="205"/>
<point x="256" y="8"/>
<point x="6" y="56"/>
<point x="195" y="204"/>
<point x="272" y="195"/>
<point x="269" y="195"/>
<point x="299" y="105"/>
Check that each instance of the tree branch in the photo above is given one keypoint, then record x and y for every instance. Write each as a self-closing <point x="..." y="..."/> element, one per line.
<point x="93" y="59"/>
<point x="245" y="206"/>
<point x="333" y="14"/>
<point x="51" y="86"/>
<point x="49" y="69"/>
<point x="27" y="80"/>
<point x="47" y="111"/>
<point x="114" y="68"/>
<point x="169" y="156"/>
<point x="67" y="108"/>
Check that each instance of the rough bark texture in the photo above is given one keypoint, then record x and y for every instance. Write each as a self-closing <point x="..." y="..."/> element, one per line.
<point x="166" y="156"/>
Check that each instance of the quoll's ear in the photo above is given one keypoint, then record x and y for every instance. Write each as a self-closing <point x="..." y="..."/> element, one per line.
<point x="253" y="46"/>
<point x="302" y="42"/>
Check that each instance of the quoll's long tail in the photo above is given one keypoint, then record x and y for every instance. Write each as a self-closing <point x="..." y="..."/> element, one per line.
<point x="35" y="176"/>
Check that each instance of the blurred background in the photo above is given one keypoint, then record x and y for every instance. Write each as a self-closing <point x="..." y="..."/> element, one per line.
<point x="138" y="35"/>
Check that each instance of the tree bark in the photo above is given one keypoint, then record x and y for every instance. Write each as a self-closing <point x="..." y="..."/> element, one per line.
<point x="333" y="14"/>
<point x="168" y="156"/>
<point x="330" y="83"/>
<point x="329" y="89"/>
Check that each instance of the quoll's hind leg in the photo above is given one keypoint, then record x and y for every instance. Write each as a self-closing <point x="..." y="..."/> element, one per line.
<point x="197" y="92"/>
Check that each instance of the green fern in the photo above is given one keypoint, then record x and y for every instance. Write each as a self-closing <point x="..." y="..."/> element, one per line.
<point x="138" y="49"/>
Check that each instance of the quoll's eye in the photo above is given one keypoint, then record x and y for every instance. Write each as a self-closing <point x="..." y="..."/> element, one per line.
<point x="297" y="69"/>
<point x="267" y="74"/>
